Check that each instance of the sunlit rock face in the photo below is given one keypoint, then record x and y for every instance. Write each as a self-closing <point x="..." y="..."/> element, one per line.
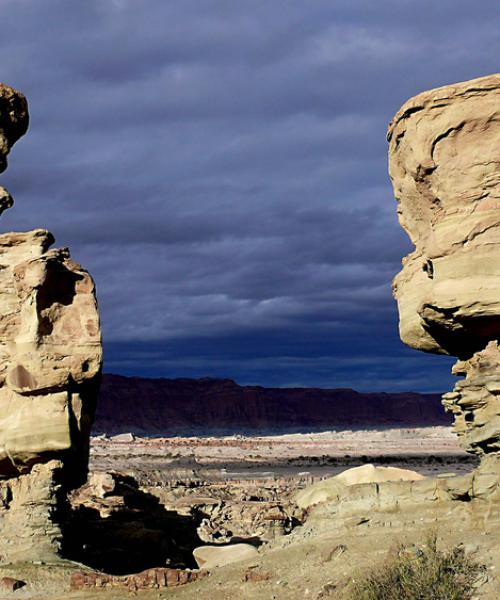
<point x="50" y="355"/>
<point x="444" y="163"/>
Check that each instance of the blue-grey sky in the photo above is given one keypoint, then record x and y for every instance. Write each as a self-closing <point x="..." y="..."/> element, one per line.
<point x="220" y="168"/>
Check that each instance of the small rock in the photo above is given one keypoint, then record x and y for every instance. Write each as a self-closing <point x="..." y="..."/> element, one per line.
<point x="208" y="557"/>
<point x="11" y="584"/>
<point x="334" y="553"/>
<point x="355" y="521"/>
<point x="123" y="437"/>
<point x="102" y="484"/>
<point x="254" y="575"/>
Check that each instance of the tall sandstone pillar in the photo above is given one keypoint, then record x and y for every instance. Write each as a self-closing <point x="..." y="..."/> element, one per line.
<point x="50" y="365"/>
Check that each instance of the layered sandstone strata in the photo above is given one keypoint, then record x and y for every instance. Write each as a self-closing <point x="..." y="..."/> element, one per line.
<point x="31" y="512"/>
<point x="50" y="363"/>
<point x="50" y="351"/>
<point x="444" y="163"/>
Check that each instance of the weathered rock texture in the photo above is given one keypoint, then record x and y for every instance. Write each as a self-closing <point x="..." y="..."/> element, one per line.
<point x="30" y="514"/>
<point x="50" y="351"/>
<point x="50" y="363"/>
<point x="444" y="162"/>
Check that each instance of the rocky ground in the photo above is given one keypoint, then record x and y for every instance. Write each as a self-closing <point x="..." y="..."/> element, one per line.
<point x="232" y="458"/>
<point x="150" y="502"/>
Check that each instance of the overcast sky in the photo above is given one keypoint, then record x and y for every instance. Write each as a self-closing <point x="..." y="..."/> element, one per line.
<point x="220" y="168"/>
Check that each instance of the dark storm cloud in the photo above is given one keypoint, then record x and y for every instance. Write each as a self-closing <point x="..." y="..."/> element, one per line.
<point x="220" y="168"/>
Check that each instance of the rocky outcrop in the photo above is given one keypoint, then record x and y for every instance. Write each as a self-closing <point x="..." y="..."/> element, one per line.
<point x="221" y="406"/>
<point x="51" y="355"/>
<point x="333" y="487"/>
<point x="444" y="162"/>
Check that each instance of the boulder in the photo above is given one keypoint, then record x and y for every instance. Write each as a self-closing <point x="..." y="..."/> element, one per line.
<point x="333" y="487"/>
<point x="11" y="584"/>
<point x="208" y="557"/>
<point x="30" y="509"/>
<point x="124" y="438"/>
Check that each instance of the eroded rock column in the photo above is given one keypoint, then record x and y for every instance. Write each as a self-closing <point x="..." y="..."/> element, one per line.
<point x="444" y="163"/>
<point x="50" y="365"/>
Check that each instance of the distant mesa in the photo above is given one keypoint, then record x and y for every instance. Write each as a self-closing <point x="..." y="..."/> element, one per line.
<point x="333" y="487"/>
<point x="221" y="406"/>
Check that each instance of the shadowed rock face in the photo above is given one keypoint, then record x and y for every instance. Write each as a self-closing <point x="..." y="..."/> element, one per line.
<point x="444" y="163"/>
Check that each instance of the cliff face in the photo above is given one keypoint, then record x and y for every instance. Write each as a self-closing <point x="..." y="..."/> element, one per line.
<point x="444" y="162"/>
<point x="172" y="406"/>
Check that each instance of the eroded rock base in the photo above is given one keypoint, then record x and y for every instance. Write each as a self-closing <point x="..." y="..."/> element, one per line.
<point x="31" y="512"/>
<point x="475" y="401"/>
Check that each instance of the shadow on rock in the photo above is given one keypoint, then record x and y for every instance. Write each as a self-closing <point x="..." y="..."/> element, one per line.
<point x="118" y="528"/>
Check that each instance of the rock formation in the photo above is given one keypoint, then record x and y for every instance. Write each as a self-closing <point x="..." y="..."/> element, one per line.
<point x="444" y="163"/>
<point x="50" y="349"/>
<point x="333" y="487"/>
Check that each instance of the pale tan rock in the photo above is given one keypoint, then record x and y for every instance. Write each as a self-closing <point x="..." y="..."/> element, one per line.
<point x="209" y="557"/>
<point x="334" y="488"/>
<point x="50" y="346"/>
<point x="126" y="438"/>
<point x="444" y="162"/>
<point x="29" y="507"/>
<point x="372" y="474"/>
<point x="102" y="484"/>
